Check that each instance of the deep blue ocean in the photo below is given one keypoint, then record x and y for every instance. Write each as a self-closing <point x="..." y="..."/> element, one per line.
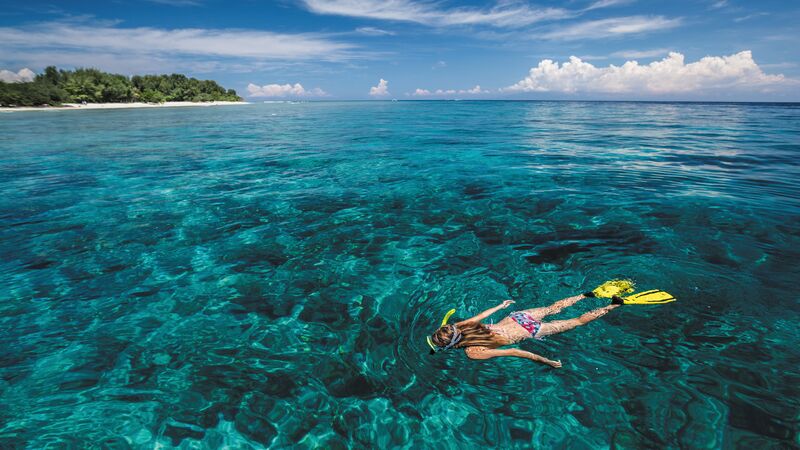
<point x="265" y="275"/>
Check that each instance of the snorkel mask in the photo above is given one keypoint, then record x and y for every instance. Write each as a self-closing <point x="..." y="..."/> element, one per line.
<point x="455" y="339"/>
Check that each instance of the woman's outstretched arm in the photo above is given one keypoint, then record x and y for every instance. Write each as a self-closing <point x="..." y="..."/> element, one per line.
<point x="489" y="312"/>
<point x="487" y="353"/>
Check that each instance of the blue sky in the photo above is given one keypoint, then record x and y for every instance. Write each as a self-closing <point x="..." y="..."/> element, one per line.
<point x="342" y="49"/>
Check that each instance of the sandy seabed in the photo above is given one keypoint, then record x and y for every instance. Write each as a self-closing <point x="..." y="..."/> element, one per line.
<point x="78" y="106"/>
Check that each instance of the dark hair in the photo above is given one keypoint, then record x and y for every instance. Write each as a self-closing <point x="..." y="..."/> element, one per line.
<point x="473" y="334"/>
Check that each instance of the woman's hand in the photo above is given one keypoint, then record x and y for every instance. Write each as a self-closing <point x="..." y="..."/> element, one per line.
<point x="506" y="304"/>
<point x="554" y="364"/>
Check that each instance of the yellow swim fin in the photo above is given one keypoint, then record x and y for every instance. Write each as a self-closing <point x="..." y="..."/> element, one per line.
<point x="654" y="297"/>
<point x="612" y="288"/>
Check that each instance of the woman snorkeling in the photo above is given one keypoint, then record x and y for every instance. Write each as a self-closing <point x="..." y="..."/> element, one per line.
<point x="481" y="341"/>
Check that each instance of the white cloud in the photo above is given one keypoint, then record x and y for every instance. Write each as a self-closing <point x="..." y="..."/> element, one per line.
<point x="24" y="75"/>
<point x="476" y="90"/>
<point x="372" y="31"/>
<point x="94" y="37"/>
<point x="381" y="89"/>
<point x="750" y="16"/>
<point x="503" y="14"/>
<point x="640" y="53"/>
<point x="606" y="4"/>
<point x="719" y="4"/>
<point x="439" y="65"/>
<point x="670" y="75"/>
<point x="617" y="26"/>
<point x="419" y="92"/>
<point x="283" y="90"/>
<point x="592" y="57"/>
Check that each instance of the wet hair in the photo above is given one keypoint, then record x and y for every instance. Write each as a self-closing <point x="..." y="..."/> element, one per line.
<point x="473" y="334"/>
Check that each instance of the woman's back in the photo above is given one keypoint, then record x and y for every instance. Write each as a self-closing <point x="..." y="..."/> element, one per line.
<point x="509" y="331"/>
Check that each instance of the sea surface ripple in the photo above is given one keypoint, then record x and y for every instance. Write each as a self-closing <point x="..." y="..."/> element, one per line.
<point x="265" y="275"/>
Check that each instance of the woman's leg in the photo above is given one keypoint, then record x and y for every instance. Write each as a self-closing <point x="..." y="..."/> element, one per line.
<point x="555" y="308"/>
<point x="560" y="326"/>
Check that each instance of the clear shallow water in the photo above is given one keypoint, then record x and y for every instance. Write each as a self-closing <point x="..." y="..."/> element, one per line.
<point x="265" y="275"/>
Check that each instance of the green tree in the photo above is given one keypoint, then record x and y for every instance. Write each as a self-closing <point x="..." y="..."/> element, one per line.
<point x="153" y="96"/>
<point x="51" y="75"/>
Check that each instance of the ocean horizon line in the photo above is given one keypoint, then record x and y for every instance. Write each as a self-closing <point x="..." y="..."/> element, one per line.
<point x="716" y="102"/>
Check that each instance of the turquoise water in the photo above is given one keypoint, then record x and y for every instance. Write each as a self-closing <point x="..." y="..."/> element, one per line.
<point x="264" y="275"/>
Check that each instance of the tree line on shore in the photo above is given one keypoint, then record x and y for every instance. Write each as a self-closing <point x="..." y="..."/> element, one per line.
<point x="54" y="87"/>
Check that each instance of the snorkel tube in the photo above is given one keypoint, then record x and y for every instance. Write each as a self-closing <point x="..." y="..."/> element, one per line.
<point x="453" y="341"/>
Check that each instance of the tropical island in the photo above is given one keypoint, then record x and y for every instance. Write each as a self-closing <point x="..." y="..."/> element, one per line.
<point x="86" y="86"/>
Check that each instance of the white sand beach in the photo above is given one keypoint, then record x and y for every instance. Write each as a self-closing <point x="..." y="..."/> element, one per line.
<point x="79" y="106"/>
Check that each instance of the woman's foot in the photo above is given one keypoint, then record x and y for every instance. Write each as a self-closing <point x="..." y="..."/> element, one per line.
<point x="617" y="300"/>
